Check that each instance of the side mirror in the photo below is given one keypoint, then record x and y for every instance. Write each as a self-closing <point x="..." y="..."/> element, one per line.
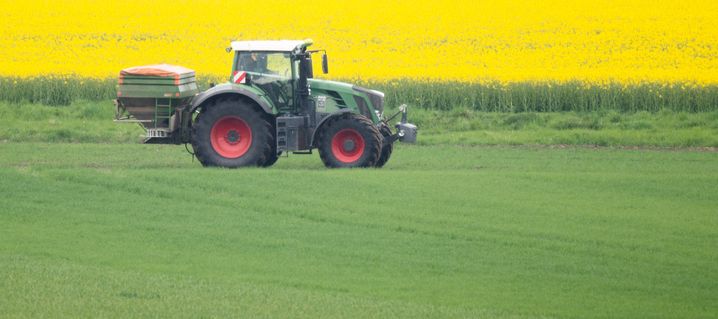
<point x="325" y="63"/>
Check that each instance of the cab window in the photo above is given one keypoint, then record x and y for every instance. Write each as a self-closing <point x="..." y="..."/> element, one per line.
<point x="265" y="63"/>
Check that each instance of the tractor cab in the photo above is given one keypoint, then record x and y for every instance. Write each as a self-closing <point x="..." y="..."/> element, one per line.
<point x="278" y="68"/>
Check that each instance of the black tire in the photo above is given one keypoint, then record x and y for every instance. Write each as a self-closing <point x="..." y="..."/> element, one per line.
<point x="272" y="159"/>
<point x="237" y="119"/>
<point x="349" y="140"/>
<point x="273" y="154"/>
<point x="385" y="149"/>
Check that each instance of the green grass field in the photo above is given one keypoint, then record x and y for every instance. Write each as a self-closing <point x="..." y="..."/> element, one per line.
<point x="443" y="231"/>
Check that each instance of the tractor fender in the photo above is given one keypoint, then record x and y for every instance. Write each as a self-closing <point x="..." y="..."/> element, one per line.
<point x="324" y="120"/>
<point x="229" y="90"/>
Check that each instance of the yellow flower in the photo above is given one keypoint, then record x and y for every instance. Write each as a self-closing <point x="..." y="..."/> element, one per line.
<point x="596" y="42"/>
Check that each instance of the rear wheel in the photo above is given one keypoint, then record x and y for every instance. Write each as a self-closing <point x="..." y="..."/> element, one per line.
<point x="385" y="149"/>
<point x="350" y="140"/>
<point x="272" y="159"/>
<point x="232" y="134"/>
<point x="273" y="154"/>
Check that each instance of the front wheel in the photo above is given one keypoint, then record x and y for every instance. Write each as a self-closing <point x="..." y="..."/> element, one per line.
<point x="386" y="149"/>
<point x="232" y="134"/>
<point x="350" y="140"/>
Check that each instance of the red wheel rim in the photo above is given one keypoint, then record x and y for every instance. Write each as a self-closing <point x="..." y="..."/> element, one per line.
<point x="347" y="145"/>
<point x="231" y="137"/>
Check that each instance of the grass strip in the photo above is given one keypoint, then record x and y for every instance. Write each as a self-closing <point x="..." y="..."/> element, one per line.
<point x="91" y="122"/>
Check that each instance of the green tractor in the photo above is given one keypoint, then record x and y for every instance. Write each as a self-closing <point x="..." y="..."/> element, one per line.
<point x="272" y="105"/>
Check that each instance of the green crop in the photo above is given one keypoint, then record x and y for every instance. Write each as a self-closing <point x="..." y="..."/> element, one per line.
<point x="122" y="230"/>
<point x="431" y="95"/>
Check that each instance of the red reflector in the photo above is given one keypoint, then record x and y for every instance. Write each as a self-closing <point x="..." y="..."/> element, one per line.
<point x="176" y="79"/>
<point x="177" y="94"/>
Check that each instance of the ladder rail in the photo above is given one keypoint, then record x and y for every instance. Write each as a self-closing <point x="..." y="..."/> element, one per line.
<point x="162" y="111"/>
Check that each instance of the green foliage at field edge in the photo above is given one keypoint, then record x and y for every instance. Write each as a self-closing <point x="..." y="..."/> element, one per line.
<point x="86" y="121"/>
<point x="430" y="95"/>
<point x="601" y="128"/>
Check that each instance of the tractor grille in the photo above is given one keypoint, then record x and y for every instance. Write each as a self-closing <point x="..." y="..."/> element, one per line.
<point x="361" y="104"/>
<point x="376" y="97"/>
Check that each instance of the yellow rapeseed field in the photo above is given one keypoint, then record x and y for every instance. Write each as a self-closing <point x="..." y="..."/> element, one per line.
<point x="505" y="40"/>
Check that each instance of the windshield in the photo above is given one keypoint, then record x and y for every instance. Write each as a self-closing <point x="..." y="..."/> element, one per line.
<point x="271" y="72"/>
<point x="274" y="63"/>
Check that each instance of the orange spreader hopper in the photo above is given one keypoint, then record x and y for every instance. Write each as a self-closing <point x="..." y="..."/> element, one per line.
<point x="161" y="70"/>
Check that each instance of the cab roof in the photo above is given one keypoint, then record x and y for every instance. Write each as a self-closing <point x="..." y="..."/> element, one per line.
<point x="275" y="45"/>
